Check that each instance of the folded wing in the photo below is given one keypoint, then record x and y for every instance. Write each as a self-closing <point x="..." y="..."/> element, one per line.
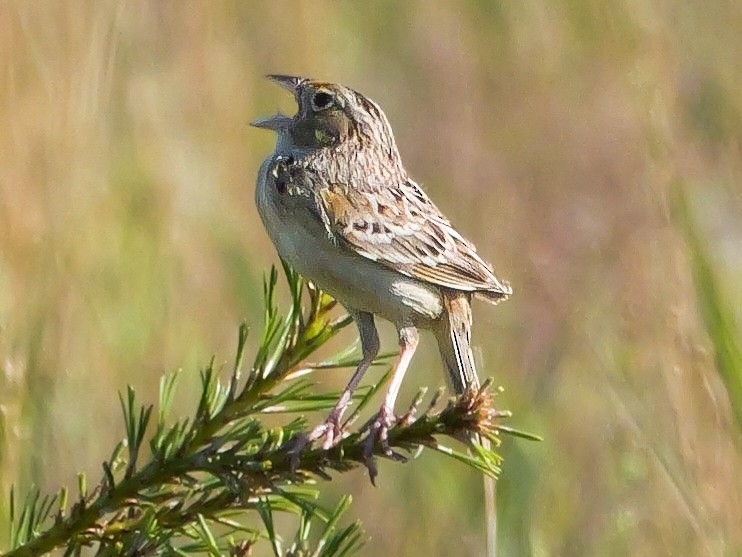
<point x="401" y="228"/>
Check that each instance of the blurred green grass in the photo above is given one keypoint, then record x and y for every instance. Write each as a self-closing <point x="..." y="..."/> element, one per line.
<point x="718" y="316"/>
<point x="553" y="134"/>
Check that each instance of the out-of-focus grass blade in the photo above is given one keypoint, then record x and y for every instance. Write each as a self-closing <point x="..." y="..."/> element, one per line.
<point x="717" y="315"/>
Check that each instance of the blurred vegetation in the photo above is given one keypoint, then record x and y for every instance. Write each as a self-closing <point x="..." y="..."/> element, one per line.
<point x="555" y="135"/>
<point x="209" y="472"/>
<point x="717" y="315"/>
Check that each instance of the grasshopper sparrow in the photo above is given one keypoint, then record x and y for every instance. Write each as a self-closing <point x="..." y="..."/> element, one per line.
<point x="341" y="209"/>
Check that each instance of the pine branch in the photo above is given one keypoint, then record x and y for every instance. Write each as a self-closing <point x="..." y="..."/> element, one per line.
<point x="209" y="473"/>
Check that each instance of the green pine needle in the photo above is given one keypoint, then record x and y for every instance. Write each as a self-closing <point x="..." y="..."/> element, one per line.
<point x="216" y="480"/>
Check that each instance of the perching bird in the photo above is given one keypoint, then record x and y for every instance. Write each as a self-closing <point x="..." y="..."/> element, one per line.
<point x="341" y="209"/>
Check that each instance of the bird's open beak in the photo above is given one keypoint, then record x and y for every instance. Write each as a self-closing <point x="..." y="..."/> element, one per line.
<point x="277" y="122"/>
<point x="280" y="121"/>
<point x="288" y="82"/>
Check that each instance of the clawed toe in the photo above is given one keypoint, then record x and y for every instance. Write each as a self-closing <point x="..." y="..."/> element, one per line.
<point x="331" y="431"/>
<point x="379" y="433"/>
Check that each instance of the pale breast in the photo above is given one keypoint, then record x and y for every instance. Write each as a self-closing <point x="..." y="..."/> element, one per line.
<point x="353" y="280"/>
<point x="365" y="285"/>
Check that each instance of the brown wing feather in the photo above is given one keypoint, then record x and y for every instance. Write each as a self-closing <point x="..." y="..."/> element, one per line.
<point x="401" y="228"/>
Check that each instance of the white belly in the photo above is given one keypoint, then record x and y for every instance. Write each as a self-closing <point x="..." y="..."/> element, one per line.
<point x="356" y="282"/>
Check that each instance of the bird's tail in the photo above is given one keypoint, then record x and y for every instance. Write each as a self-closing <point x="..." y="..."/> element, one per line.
<point x="453" y="333"/>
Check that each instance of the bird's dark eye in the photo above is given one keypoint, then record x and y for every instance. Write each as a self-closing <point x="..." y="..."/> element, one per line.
<point x="322" y="100"/>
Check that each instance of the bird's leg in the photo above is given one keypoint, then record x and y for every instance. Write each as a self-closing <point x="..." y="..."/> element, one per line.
<point x="331" y="429"/>
<point x="408" y="337"/>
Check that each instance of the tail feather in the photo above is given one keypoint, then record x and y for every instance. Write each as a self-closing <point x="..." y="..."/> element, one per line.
<point x="453" y="333"/>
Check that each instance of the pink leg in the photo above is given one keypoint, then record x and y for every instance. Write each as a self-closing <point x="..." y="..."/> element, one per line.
<point x="408" y="337"/>
<point x="331" y="429"/>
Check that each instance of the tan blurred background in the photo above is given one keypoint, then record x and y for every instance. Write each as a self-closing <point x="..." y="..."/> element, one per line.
<point x="554" y="134"/>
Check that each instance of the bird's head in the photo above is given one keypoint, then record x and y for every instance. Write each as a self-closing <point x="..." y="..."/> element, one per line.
<point x="329" y="115"/>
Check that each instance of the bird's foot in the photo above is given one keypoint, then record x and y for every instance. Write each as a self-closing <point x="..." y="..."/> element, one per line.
<point x="331" y="431"/>
<point x="379" y="434"/>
